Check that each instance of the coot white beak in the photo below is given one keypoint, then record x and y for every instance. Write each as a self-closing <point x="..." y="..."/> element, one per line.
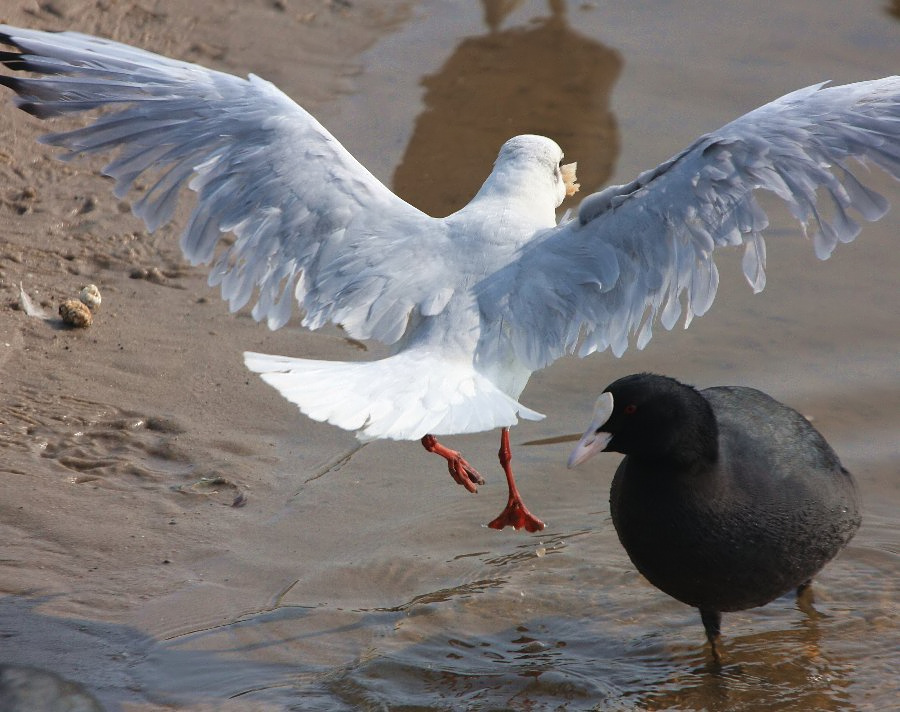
<point x="594" y="439"/>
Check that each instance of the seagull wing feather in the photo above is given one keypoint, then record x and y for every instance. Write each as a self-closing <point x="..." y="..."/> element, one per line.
<point x="308" y="221"/>
<point x="643" y="253"/>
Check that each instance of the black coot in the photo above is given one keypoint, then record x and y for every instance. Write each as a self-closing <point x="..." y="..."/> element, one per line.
<point x="727" y="499"/>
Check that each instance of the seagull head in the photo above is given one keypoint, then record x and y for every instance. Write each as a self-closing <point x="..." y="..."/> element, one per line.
<point x="531" y="166"/>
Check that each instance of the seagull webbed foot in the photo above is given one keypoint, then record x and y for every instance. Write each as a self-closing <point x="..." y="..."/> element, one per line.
<point x="515" y="514"/>
<point x="460" y="470"/>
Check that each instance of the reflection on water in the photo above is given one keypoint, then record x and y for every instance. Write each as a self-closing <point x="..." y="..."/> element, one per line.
<point x="543" y="78"/>
<point x="557" y="631"/>
<point x="566" y="636"/>
<point x="783" y="669"/>
<point x="26" y="689"/>
<point x="121" y="663"/>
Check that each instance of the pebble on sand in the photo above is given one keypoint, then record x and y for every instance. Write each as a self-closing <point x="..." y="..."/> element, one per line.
<point x="90" y="297"/>
<point x="75" y="313"/>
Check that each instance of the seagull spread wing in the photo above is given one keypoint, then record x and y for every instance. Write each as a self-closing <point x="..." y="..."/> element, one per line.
<point x="642" y="251"/>
<point x="307" y="219"/>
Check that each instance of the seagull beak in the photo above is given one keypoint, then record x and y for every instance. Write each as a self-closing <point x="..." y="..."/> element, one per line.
<point x="568" y="176"/>
<point x="594" y="439"/>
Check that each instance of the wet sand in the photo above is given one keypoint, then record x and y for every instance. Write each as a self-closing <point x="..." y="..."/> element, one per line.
<point x="175" y="535"/>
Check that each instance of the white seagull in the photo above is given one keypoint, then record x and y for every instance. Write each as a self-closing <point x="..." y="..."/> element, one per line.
<point x="472" y="303"/>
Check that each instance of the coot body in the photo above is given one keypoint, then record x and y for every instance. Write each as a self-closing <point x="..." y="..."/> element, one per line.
<point x="726" y="499"/>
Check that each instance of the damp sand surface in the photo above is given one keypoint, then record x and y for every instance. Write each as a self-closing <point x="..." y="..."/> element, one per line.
<point x="174" y="535"/>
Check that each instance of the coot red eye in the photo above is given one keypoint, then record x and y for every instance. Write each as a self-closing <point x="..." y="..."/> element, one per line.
<point x="630" y="408"/>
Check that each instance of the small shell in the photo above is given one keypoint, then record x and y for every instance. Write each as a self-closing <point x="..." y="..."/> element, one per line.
<point x="75" y="313"/>
<point x="568" y="176"/>
<point x="90" y="296"/>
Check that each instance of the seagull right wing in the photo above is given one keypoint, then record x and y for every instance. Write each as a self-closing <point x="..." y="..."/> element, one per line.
<point x="642" y="251"/>
<point x="309" y="222"/>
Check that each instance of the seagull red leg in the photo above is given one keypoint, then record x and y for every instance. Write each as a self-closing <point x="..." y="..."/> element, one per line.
<point x="460" y="470"/>
<point x="515" y="514"/>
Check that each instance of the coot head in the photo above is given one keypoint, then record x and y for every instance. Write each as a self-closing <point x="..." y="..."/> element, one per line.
<point x="650" y="417"/>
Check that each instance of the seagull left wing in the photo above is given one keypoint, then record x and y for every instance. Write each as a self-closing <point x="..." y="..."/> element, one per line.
<point x="308" y="220"/>
<point x="635" y="252"/>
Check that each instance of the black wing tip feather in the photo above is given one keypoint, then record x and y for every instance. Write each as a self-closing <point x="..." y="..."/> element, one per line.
<point x="36" y="110"/>
<point x="13" y="61"/>
<point x="11" y="82"/>
<point x="7" y="39"/>
<point x="11" y="58"/>
<point x="18" y="86"/>
<point x="17" y="61"/>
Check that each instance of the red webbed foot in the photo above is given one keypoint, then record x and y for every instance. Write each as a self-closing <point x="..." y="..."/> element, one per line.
<point x="460" y="470"/>
<point x="515" y="514"/>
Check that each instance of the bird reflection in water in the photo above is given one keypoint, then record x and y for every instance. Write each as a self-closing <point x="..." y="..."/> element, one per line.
<point x="543" y="78"/>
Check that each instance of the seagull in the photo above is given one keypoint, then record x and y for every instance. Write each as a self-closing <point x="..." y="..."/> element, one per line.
<point x="473" y="303"/>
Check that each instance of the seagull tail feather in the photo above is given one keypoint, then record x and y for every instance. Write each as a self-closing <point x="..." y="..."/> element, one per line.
<point x="401" y="397"/>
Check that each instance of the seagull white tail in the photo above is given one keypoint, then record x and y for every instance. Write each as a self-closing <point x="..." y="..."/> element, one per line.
<point x="402" y="397"/>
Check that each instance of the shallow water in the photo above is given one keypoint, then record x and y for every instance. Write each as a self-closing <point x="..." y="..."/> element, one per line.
<point x="363" y="579"/>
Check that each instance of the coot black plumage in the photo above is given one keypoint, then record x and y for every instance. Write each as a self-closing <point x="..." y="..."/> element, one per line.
<point x="726" y="498"/>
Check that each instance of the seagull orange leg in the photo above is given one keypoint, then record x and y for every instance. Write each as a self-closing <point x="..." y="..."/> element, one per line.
<point x="515" y="514"/>
<point x="460" y="470"/>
